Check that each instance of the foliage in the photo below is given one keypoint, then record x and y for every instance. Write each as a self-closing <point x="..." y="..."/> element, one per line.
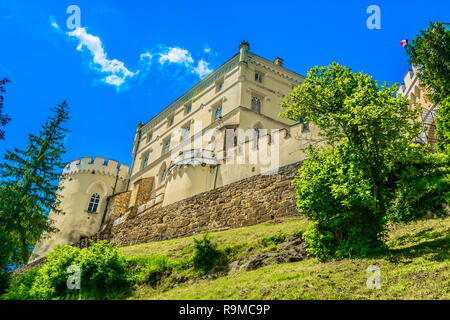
<point x="28" y="183"/>
<point x="20" y="286"/>
<point x="4" y="119"/>
<point x="104" y="274"/>
<point x="336" y="194"/>
<point x="148" y="269"/>
<point x="368" y="129"/>
<point x="420" y="185"/>
<point x="443" y="126"/>
<point x="104" y="271"/>
<point x="206" y="255"/>
<point x="51" y="279"/>
<point x="430" y="51"/>
<point x="273" y="240"/>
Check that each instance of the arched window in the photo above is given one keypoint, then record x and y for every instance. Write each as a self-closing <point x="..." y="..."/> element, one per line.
<point x="163" y="175"/>
<point x="93" y="203"/>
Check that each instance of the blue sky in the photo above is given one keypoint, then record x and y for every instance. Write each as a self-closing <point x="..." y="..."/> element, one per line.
<point x="133" y="58"/>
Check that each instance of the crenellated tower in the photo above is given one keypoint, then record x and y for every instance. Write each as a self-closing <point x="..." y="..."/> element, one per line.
<point x="86" y="186"/>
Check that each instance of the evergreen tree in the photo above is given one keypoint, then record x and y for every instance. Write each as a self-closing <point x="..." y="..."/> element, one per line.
<point x="29" y="185"/>
<point x="4" y="119"/>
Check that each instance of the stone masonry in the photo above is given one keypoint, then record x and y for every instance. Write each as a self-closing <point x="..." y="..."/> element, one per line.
<point x="247" y="202"/>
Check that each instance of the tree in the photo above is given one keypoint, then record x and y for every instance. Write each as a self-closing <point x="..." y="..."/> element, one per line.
<point x="4" y="119"/>
<point x="368" y="130"/>
<point x="430" y="51"/>
<point x="29" y="181"/>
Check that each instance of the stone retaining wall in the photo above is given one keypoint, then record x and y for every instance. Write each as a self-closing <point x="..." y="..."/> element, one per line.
<point x="243" y="203"/>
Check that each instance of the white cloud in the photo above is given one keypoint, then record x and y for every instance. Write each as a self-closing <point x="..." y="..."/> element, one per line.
<point x="176" y="55"/>
<point x="207" y="49"/>
<point x="118" y="71"/>
<point x="53" y="22"/>
<point x="202" y="69"/>
<point x="146" y="55"/>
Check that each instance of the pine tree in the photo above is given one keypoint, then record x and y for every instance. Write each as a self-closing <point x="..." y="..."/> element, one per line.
<point x="29" y="184"/>
<point x="4" y="119"/>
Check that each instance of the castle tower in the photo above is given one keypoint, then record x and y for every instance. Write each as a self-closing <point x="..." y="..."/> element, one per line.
<point x="86" y="186"/>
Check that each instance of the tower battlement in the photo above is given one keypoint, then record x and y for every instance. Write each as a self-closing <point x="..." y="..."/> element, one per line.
<point x="96" y="165"/>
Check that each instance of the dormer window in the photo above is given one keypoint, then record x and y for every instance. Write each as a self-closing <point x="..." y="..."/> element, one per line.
<point x="258" y="77"/>
<point x="93" y="203"/>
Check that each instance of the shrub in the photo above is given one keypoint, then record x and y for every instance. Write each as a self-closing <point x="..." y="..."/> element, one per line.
<point x="104" y="271"/>
<point x="420" y="185"/>
<point x="273" y="240"/>
<point x="51" y="279"/>
<point x="20" y="285"/>
<point x="148" y="269"/>
<point x="335" y="192"/>
<point x="206" y="255"/>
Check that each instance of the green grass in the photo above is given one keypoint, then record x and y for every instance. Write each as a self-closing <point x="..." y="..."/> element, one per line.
<point x="417" y="267"/>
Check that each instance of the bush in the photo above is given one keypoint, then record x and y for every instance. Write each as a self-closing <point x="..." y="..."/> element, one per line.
<point x="335" y="192"/>
<point x="20" y="285"/>
<point x="273" y="240"/>
<point x="104" y="271"/>
<point x="206" y="255"/>
<point x="420" y="185"/>
<point x="51" y="279"/>
<point x="149" y="269"/>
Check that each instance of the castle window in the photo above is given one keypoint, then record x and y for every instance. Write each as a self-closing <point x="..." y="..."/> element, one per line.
<point x="167" y="145"/>
<point x="188" y="109"/>
<point x="305" y="126"/>
<point x="149" y="137"/>
<point x="256" y="104"/>
<point x="258" y="77"/>
<point x="218" y="113"/>
<point x="163" y="175"/>
<point x="170" y="121"/>
<point x="186" y="132"/>
<point x="93" y="203"/>
<point x="145" y="163"/>
<point x="219" y="86"/>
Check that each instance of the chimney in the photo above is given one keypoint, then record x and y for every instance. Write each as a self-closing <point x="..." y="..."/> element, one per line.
<point x="243" y="48"/>
<point x="278" y="62"/>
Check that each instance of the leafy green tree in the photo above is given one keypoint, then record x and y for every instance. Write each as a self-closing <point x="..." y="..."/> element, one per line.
<point x="4" y="119"/>
<point x="368" y="130"/>
<point x="29" y="184"/>
<point x="430" y="51"/>
<point x="443" y="126"/>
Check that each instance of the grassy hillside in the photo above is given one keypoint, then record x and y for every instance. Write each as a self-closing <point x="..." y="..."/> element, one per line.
<point x="417" y="267"/>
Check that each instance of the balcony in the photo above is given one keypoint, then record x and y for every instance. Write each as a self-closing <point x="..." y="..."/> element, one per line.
<point x="194" y="157"/>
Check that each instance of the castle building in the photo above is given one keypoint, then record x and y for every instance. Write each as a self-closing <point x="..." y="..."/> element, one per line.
<point x="224" y="129"/>
<point x="412" y="89"/>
